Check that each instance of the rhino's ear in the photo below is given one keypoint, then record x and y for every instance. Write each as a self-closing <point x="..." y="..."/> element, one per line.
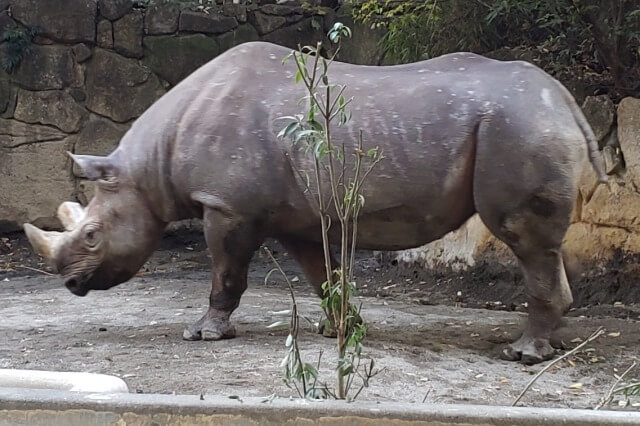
<point x="95" y="167"/>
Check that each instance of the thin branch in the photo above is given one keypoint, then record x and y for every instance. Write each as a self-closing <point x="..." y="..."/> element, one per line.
<point x="609" y="394"/>
<point x="273" y="259"/>
<point x="590" y="339"/>
<point x="34" y="269"/>
<point x="624" y="388"/>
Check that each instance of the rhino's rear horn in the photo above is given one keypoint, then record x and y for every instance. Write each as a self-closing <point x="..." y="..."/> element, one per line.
<point x="70" y="214"/>
<point x="45" y="243"/>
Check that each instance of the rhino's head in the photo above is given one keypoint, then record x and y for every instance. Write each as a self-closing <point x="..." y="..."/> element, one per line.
<point x="105" y="243"/>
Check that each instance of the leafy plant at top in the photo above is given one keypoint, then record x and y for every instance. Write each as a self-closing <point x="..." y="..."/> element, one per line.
<point x="601" y="34"/>
<point x="337" y="194"/>
<point x="16" y="44"/>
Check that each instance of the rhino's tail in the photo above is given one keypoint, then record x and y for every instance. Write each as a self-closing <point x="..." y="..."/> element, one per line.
<point x="592" y="142"/>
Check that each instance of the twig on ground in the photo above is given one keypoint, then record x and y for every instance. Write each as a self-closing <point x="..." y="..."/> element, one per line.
<point x="590" y="339"/>
<point x="33" y="269"/>
<point x="626" y="387"/>
<point x="604" y="400"/>
<point x="426" y="395"/>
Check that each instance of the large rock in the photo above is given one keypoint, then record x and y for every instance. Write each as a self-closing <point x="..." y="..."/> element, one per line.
<point x="99" y="136"/>
<point x="614" y="205"/>
<point x="46" y="68"/>
<point x="266" y="23"/>
<point x="63" y="20"/>
<point x="592" y="244"/>
<point x="6" y="22"/>
<point x="161" y="19"/>
<point x="459" y="250"/>
<point x="127" y="34"/>
<point x="115" y="9"/>
<point x="238" y="11"/>
<point x="119" y="88"/>
<point x="199" y="22"/>
<point x="629" y="138"/>
<point x="243" y="34"/>
<point x="36" y="174"/>
<point x="81" y="52"/>
<point x="600" y="113"/>
<point x="104" y="37"/>
<point x="50" y="107"/>
<point x="363" y="47"/>
<point x="8" y="96"/>
<point x="302" y="33"/>
<point x="173" y="58"/>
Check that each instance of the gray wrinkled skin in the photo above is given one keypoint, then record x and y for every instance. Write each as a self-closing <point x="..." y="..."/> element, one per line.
<point x="460" y="134"/>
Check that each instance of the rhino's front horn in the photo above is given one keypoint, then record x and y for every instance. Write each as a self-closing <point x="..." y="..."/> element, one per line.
<point x="70" y="214"/>
<point x="45" y="243"/>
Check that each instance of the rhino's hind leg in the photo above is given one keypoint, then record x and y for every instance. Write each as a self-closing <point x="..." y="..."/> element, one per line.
<point x="529" y="207"/>
<point x="549" y="298"/>
<point x="232" y="243"/>
<point x="310" y="257"/>
<point x="536" y="242"/>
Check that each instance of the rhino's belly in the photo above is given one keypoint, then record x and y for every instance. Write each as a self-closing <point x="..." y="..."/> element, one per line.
<point x="400" y="230"/>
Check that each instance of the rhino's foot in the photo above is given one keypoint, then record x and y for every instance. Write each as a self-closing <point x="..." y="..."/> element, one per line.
<point x="327" y="329"/>
<point x="208" y="328"/>
<point x="529" y="350"/>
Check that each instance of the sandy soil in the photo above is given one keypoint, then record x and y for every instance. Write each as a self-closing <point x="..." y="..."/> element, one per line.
<point x="429" y="350"/>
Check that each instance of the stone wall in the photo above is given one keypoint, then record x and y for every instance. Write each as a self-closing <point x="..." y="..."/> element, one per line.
<point x="96" y="65"/>
<point x="606" y="217"/>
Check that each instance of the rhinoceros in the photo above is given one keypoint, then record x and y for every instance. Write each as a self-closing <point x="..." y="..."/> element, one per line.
<point x="461" y="134"/>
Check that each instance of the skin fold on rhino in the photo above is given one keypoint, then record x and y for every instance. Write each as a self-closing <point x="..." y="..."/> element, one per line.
<point x="461" y="134"/>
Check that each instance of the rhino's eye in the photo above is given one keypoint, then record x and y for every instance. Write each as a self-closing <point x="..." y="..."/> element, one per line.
<point x="92" y="237"/>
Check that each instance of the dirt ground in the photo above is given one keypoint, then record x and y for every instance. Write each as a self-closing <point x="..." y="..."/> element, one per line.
<point x="430" y="350"/>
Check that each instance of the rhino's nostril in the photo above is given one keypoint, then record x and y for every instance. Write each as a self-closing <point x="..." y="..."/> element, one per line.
<point x="72" y="284"/>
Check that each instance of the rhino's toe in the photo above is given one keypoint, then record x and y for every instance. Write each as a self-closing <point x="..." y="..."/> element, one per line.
<point x="528" y="350"/>
<point x="219" y="332"/>
<point x="209" y="329"/>
<point x="189" y="334"/>
<point x="510" y="354"/>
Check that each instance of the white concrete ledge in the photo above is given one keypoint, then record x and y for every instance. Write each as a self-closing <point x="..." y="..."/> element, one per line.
<point x="46" y="407"/>
<point x="66" y="381"/>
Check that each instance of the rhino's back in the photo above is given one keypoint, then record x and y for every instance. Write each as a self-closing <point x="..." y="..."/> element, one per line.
<point x="215" y="132"/>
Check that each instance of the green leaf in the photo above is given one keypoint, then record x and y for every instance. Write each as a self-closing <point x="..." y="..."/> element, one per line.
<point x="305" y="134"/>
<point x="281" y="313"/>
<point x="310" y="371"/>
<point x="266" y="277"/>
<point x="279" y="325"/>
<point x="298" y="77"/>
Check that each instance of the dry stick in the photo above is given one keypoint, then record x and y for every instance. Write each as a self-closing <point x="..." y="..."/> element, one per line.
<point x="609" y="394"/>
<point x="591" y="338"/>
<point x="34" y="269"/>
<point x="624" y="388"/>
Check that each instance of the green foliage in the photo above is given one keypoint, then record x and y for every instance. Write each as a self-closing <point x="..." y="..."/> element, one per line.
<point x="16" y="44"/>
<point x="604" y="35"/>
<point x="311" y="132"/>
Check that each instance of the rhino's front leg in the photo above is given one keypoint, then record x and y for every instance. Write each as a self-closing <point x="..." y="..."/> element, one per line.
<point x="232" y="242"/>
